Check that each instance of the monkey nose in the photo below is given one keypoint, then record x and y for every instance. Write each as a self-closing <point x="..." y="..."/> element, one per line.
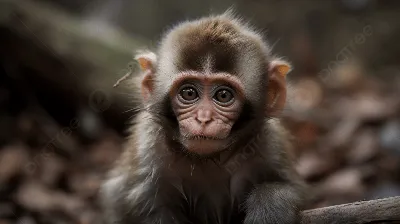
<point x="204" y="116"/>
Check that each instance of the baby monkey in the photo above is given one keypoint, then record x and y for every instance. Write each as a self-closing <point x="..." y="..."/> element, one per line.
<point x="207" y="146"/>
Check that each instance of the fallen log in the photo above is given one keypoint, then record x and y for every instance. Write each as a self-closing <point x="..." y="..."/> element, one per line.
<point x="385" y="210"/>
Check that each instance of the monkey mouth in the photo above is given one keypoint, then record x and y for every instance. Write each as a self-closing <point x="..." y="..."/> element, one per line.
<point x="203" y="145"/>
<point x="203" y="137"/>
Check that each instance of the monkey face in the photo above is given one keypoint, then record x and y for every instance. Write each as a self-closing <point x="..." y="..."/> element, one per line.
<point x="206" y="107"/>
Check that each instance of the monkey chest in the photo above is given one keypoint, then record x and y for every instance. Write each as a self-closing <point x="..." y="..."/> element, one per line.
<point x="211" y="197"/>
<point x="215" y="204"/>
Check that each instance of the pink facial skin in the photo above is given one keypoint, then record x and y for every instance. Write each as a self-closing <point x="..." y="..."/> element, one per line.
<point x="206" y="107"/>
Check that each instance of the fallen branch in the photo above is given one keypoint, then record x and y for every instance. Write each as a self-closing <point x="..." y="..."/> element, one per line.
<point x="376" y="211"/>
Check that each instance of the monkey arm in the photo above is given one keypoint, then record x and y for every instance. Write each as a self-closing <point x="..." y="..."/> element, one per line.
<point x="280" y="198"/>
<point x="273" y="203"/>
<point x="140" y="201"/>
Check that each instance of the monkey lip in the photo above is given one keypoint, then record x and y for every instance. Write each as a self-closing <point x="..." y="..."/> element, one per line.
<point x="203" y="137"/>
<point x="201" y="144"/>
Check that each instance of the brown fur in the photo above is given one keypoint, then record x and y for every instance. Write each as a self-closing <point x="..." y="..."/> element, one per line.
<point x="253" y="181"/>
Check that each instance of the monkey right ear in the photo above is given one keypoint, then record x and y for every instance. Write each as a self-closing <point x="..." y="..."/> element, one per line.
<point x="147" y="62"/>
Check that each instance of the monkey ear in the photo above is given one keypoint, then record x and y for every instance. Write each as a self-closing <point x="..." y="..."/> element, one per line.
<point x="276" y="96"/>
<point x="147" y="61"/>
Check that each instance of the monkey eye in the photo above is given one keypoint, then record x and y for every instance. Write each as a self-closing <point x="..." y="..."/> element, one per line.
<point x="188" y="94"/>
<point x="224" y="96"/>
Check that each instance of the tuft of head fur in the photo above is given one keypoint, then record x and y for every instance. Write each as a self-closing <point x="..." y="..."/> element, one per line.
<point x="226" y="25"/>
<point x="226" y="29"/>
<point x="218" y="43"/>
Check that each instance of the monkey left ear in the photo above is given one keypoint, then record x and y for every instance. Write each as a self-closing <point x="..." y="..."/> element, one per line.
<point x="276" y="96"/>
<point x="147" y="62"/>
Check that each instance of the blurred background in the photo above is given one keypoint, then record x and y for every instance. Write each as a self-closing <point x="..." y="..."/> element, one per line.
<point x="62" y="123"/>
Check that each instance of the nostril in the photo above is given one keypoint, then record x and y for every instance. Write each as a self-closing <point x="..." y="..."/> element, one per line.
<point x="203" y="117"/>
<point x="203" y="120"/>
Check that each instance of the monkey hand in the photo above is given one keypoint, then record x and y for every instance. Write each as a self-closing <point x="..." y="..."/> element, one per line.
<point x="273" y="203"/>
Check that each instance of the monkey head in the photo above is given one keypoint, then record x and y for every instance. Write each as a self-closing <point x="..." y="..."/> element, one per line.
<point x="211" y="82"/>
